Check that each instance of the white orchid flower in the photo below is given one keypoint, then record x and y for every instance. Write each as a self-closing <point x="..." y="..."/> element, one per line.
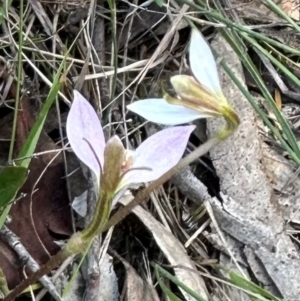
<point x="199" y="96"/>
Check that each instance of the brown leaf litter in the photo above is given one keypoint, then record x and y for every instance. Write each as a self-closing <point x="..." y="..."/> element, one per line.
<point x="43" y="214"/>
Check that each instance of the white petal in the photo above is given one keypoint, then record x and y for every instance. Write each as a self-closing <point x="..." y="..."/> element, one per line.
<point x="158" y="110"/>
<point x="85" y="133"/>
<point x="158" y="154"/>
<point x="202" y="62"/>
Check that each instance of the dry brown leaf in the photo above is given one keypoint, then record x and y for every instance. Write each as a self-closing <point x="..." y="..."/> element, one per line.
<point x="281" y="171"/>
<point x="258" y="11"/>
<point x="135" y="287"/>
<point x="44" y="212"/>
<point x="291" y="8"/>
<point x="108" y="288"/>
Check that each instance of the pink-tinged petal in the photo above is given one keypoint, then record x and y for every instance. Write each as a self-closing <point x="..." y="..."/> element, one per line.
<point x="158" y="154"/>
<point x="85" y="133"/>
<point x="202" y="62"/>
<point x="158" y="110"/>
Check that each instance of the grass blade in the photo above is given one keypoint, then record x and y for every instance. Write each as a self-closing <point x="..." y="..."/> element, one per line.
<point x="162" y="272"/>
<point x="34" y="134"/>
<point x="250" y="286"/>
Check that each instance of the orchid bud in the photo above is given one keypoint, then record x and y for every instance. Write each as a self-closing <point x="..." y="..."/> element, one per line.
<point x="114" y="156"/>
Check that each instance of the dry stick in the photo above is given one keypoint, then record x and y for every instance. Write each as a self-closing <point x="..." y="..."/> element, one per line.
<point x="222" y="237"/>
<point x="53" y="262"/>
<point x="14" y="242"/>
<point x="165" y="41"/>
<point x="118" y="216"/>
<point x="57" y="273"/>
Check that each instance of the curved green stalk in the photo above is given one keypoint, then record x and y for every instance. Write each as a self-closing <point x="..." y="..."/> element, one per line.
<point x="100" y="217"/>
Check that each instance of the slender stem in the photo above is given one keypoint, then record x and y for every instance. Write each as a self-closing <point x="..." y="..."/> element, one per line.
<point x="271" y="4"/>
<point x="112" y="6"/>
<point x="99" y="219"/>
<point x="114" y="57"/>
<point x="53" y="262"/>
<point x="75" y="245"/>
<point x="17" y="100"/>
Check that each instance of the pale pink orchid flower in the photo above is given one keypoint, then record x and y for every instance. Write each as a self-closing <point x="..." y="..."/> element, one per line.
<point x="154" y="157"/>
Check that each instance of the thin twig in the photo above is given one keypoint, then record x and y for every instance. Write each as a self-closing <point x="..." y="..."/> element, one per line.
<point x="15" y="244"/>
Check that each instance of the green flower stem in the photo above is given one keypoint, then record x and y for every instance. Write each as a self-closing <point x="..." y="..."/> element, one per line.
<point x="232" y="122"/>
<point x="99" y="218"/>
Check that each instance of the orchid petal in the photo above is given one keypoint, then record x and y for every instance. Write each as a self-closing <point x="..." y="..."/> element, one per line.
<point x="158" y="154"/>
<point x="85" y="134"/>
<point x="202" y="62"/>
<point x="158" y="110"/>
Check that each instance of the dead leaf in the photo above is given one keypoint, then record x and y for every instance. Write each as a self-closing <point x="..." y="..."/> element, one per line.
<point x="291" y="8"/>
<point x="255" y="10"/>
<point x="135" y="288"/>
<point x="278" y="99"/>
<point x="43" y="215"/>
